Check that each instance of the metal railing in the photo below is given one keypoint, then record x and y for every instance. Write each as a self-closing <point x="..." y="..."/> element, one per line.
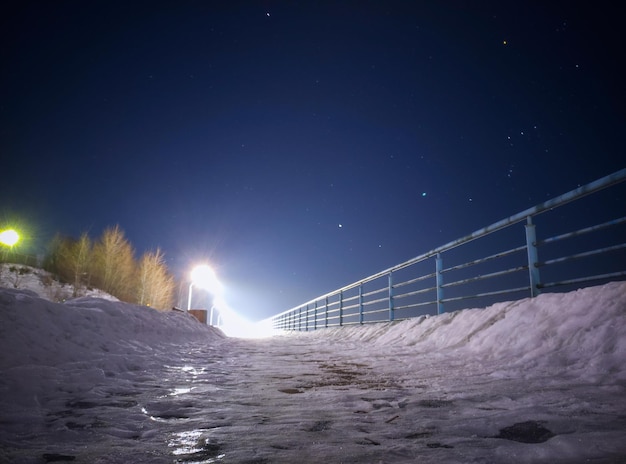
<point x="500" y="267"/>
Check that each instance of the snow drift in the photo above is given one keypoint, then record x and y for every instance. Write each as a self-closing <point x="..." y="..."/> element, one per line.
<point x="583" y="329"/>
<point x="34" y="331"/>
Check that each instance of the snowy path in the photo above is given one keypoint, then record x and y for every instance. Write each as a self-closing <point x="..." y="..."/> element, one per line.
<point x="353" y="395"/>
<point x="293" y="400"/>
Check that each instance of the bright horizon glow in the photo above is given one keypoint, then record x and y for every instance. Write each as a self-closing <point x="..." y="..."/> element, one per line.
<point x="9" y="237"/>
<point x="234" y="325"/>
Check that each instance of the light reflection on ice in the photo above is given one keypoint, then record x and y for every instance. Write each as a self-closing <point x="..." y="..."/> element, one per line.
<point x="194" y="447"/>
<point x="180" y="391"/>
<point x="151" y="417"/>
<point x="193" y="370"/>
<point x="185" y="442"/>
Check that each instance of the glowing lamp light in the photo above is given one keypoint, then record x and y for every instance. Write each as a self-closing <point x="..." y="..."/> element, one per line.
<point x="9" y="237"/>
<point x="203" y="276"/>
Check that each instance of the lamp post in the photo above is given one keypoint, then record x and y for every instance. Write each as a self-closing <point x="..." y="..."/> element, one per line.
<point x="189" y="297"/>
<point x="8" y="238"/>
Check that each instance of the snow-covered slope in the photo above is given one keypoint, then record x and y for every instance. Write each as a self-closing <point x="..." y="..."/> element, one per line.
<point x="43" y="283"/>
<point x="584" y="329"/>
<point x="40" y="332"/>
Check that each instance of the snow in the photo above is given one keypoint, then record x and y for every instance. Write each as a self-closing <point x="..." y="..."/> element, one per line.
<point x="43" y="283"/>
<point x="91" y="380"/>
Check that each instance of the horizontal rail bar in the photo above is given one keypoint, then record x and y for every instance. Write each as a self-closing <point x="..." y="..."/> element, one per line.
<point x="412" y="281"/>
<point x="374" y="311"/>
<point x="586" y="230"/>
<point x="416" y="292"/>
<point x="374" y="292"/>
<point x="585" y="254"/>
<point x="377" y="301"/>
<point x="486" y="276"/>
<point x="416" y="305"/>
<point x="351" y="306"/>
<point x="481" y="260"/>
<point x="584" y="279"/>
<point x="480" y="295"/>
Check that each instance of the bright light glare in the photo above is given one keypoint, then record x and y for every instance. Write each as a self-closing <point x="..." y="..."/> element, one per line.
<point x="203" y="276"/>
<point x="233" y="325"/>
<point x="9" y="237"/>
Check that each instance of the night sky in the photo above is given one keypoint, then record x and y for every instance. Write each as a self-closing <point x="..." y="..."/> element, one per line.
<point x="299" y="146"/>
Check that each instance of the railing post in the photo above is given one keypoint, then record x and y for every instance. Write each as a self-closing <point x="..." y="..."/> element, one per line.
<point x="391" y="308"/>
<point x="306" y="319"/>
<point x="326" y="312"/>
<point x="341" y="308"/>
<point x="300" y="319"/>
<point x="315" y="315"/>
<point x="360" y="303"/>
<point x="439" y="282"/>
<point x="533" y="257"/>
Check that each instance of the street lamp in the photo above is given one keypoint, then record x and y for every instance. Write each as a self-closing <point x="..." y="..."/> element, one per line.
<point x="203" y="276"/>
<point x="9" y="237"/>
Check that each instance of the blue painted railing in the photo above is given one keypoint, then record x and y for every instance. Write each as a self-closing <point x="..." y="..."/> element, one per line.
<point x="492" y="270"/>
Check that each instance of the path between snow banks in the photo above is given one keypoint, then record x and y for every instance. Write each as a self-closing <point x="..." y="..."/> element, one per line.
<point x="533" y="381"/>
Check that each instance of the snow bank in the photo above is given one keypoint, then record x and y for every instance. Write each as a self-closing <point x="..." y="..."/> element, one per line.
<point x="584" y="329"/>
<point x="48" y="348"/>
<point x="36" y="331"/>
<point x="44" y="283"/>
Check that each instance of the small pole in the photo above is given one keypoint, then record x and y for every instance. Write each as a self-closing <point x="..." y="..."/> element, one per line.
<point x="439" y="280"/>
<point x="341" y="308"/>
<point x="189" y="298"/>
<point x="360" y="303"/>
<point x="391" y="308"/>
<point x="326" y="312"/>
<point x="315" y="314"/>
<point x="533" y="257"/>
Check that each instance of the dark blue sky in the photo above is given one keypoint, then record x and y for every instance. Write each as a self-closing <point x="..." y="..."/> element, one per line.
<point x="299" y="146"/>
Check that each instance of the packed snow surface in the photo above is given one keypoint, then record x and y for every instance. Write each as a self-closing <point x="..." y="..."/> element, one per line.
<point x="533" y="381"/>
